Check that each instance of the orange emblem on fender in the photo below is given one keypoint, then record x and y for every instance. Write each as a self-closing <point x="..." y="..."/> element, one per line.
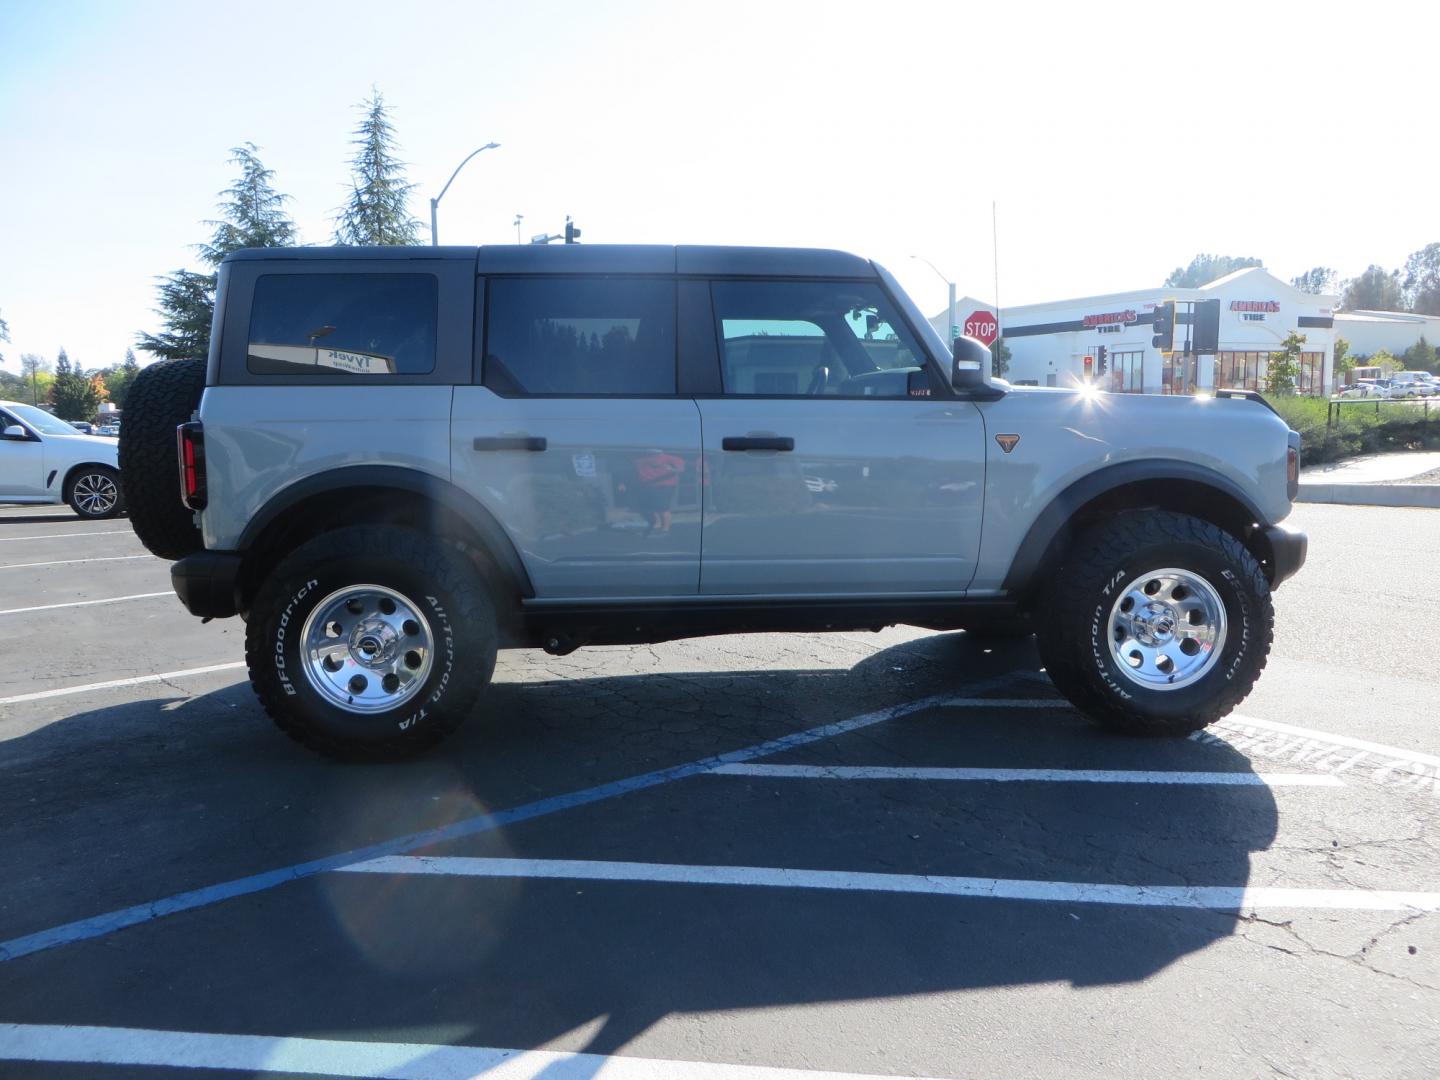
<point x="1007" y="442"/>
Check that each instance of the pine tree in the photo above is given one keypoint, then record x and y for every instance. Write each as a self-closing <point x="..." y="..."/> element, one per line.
<point x="187" y="303"/>
<point x="252" y="214"/>
<point x="378" y="211"/>
<point x="4" y="336"/>
<point x="74" y="396"/>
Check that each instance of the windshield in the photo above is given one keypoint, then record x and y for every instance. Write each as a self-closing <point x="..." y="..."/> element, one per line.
<point x="42" y="421"/>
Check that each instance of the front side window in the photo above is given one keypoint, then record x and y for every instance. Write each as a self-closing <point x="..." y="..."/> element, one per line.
<point x="343" y="325"/>
<point x="580" y="336"/>
<point x="818" y="339"/>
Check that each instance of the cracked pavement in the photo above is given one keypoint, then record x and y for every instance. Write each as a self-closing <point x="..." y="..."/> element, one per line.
<point x="126" y="796"/>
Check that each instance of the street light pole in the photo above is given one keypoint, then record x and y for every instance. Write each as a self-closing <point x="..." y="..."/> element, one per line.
<point x="435" y="202"/>
<point x="951" y="286"/>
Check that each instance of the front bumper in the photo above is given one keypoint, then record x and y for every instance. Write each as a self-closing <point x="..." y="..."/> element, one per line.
<point x="205" y="583"/>
<point x="1287" y="552"/>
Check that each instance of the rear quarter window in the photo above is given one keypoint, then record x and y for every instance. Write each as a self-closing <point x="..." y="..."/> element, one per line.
<point x="343" y="326"/>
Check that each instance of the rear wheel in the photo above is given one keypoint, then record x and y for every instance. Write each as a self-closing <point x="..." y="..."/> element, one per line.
<point x="371" y="642"/>
<point x="1159" y="624"/>
<point x="94" y="493"/>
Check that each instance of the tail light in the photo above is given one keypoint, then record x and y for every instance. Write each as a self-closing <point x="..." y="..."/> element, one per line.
<point x="190" y="439"/>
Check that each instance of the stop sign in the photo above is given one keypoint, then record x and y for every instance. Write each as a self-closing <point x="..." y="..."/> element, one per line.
<point x="982" y="325"/>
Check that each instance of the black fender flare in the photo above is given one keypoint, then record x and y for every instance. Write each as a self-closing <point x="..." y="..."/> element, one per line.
<point x="411" y="481"/>
<point x="1056" y="516"/>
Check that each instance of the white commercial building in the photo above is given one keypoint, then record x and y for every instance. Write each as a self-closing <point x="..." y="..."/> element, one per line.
<point x="1367" y="332"/>
<point x="1060" y="343"/>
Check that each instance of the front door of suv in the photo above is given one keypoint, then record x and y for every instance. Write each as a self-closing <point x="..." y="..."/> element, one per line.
<point x="22" y="462"/>
<point x="576" y="439"/>
<point x="829" y="468"/>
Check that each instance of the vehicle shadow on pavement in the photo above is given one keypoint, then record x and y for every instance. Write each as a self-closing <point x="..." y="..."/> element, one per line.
<point x="134" y="802"/>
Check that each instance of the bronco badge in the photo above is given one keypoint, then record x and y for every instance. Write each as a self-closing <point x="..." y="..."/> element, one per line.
<point x="1007" y="442"/>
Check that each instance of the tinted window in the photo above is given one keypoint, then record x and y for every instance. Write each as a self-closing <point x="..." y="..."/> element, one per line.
<point x="580" y="336"/>
<point x="825" y="339"/>
<point x="343" y="325"/>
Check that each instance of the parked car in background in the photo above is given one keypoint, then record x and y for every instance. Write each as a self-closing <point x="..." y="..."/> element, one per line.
<point x="43" y="459"/>
<point x="1366" y="388"/>
<point x="109" y="430"/>
<point x="1411" y="384"/>
<point x="82" y="427"/>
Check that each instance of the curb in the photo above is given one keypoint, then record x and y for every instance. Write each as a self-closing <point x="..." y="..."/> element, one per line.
<point x="1426" y="495"/>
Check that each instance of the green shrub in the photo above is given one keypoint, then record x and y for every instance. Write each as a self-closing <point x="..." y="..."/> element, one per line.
<point x="1357" y="429"/>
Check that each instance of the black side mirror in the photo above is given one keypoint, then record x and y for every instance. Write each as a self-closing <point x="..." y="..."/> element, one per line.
<point x="971" y="360"/>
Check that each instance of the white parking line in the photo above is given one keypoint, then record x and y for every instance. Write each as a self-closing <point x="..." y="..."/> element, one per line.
<point x="72" y="562"/>
<point x="372" y="1060"/>
<point x="1211" y="897"/>
<point x="87" y="603"/>
<point x="1060" y="776"/>
<point x="63" y="536"/>
<point x="164" y="676"/>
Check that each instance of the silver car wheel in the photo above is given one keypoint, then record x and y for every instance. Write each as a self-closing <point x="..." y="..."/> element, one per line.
<point x="367" y="649"/>
<point x="95" y="493"/>
<point x="1167" y="629"/>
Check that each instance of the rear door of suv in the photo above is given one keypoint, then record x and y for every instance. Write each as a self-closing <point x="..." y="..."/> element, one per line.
<point x="835" y="459"/>
<point x="574" y="434"/>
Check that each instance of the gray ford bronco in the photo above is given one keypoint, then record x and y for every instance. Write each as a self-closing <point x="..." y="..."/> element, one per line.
<point x="396" y="461"/>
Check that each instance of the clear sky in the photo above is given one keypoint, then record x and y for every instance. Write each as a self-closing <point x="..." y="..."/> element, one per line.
<point x="1117" y="139"/>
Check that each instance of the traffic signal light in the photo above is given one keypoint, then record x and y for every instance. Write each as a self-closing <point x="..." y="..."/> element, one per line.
<point x="1100" y="360"/>
<point x="1164" y="338"/>
<point x="1089" y="366"/>
<point x="572" y="234"/>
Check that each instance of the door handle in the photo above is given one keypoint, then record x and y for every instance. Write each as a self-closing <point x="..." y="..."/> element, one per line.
<point x="510" y="442"/>
<point x="749" y="442"/>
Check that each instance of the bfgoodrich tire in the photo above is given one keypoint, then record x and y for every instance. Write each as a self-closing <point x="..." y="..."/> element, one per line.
<point x="163" y="396"/>
<point x="371" y="642"/>
<point x="1158" y="624"/>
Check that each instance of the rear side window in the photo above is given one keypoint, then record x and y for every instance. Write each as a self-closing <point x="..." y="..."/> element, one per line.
<point x="343" y="325"/>
<point x="579" y="336"/>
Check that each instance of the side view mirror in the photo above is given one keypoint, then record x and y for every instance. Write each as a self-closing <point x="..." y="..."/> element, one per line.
<point x="968" y="370"/>
<point x="14" y="431"/>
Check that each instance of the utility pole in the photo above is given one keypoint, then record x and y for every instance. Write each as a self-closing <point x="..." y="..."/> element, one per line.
<point x="518" y="219"/>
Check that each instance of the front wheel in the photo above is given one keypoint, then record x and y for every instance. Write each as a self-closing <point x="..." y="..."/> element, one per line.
<point x="94" y="493"/>
<point x="1158" y="624"/>
<point x="371" y="642"/>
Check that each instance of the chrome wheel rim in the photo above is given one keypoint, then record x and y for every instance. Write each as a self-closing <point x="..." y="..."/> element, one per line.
<point x="367" y="649"/>
<point x="1167" y="629"/>
<point x="95" y="493"/>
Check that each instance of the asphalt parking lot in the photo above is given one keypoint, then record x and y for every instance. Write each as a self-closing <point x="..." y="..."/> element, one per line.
<point x="895" y="854"/>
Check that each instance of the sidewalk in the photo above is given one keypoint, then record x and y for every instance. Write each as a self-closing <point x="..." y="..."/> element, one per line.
<point x="1395" y="479"/>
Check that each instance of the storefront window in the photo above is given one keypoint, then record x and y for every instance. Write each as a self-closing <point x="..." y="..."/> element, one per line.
<point x="1127" y="372"/>
<point x="1238" y="370"/>
<point x="1312" y="373"/>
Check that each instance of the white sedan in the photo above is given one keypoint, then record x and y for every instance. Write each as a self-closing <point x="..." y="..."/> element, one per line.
<point x="45" y="460"/>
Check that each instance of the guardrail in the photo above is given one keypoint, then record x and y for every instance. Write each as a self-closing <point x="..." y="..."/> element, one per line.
<point x="1332" y="415"/>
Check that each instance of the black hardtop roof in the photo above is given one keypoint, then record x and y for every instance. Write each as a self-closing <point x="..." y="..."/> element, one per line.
<point x="597" y="259"/>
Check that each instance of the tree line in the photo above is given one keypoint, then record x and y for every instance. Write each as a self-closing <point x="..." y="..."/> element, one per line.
<point x="1415" y="287"/>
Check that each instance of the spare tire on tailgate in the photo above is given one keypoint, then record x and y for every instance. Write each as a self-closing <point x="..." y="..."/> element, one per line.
<point x="163" y="396"/>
